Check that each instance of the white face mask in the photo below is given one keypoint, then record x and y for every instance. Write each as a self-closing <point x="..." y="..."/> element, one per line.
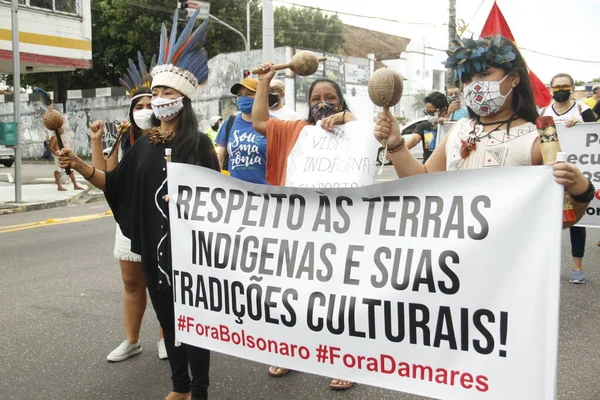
<point x="143" y="118"/>
<point x="484" y="97"/>
<point x="166" y="109"/>
<point x="433" y="119"/>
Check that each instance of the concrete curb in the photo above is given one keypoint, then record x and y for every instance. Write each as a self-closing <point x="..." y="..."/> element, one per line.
<point x="16" y="208"/>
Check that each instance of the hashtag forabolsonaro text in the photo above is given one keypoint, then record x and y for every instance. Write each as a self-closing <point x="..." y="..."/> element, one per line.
<point x="240" y="337"/>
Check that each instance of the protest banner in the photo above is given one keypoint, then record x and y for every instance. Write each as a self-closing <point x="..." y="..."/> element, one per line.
<point x="345" y="157"/>
<point x="442" y="285"/>
<point x="582" y="145"/>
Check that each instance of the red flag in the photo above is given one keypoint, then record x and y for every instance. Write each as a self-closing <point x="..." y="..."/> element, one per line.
<point x="496" y="25"/>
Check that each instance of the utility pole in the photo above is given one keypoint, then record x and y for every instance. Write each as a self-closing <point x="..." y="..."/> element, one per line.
<point x="268" y="31"/>
<point x="247" y="30"/>
<point x="451" y="37"/>
<point x="16" y="95"/>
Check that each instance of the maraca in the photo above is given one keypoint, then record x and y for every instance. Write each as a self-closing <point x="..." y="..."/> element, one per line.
<point x="52" y="119"/>
<point x="385" y="90"/>
<point x="303" y="63"/>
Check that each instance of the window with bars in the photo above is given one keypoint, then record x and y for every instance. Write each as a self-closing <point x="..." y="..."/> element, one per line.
<point x="62" y="6"/>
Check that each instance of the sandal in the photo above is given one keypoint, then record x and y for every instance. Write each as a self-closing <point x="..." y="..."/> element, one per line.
<point x="278" y="371"/>
<point x="340" y="384"/>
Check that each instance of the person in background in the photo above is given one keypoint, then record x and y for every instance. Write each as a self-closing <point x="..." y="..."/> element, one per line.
<point x="213" y="128"/>
<point x="245" y="148"/>
<point x="566" y="110"/>
<point x="436" y="110"/>
<point x="596" y="110"/>
<point x="277" y="107"/>
<point x="47" y="155"/>
<point x="593" y="99"/>
<point x="456" y="110"/>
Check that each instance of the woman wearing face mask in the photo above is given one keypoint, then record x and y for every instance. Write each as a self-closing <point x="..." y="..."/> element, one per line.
<point x="241" y="149"/>
<point x="502" y="121"/>
<point x="136" y="189"/>
<point x="565" y="110"/>
<point x="277" y="107"/>
<point x="436" y="110"/>
<point x="137" y="85"/>
<point x="328" y="108"/>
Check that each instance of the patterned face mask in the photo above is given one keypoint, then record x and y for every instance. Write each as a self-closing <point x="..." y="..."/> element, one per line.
<point x="323" y="110"/>
<point x="166" y="109"/>
<point x="484" y="97"/>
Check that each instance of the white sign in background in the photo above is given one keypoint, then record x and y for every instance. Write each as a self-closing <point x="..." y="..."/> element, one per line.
<point x="435" y="286"/>
<point x="345" y="157"/>
<point x="582" y="145"/>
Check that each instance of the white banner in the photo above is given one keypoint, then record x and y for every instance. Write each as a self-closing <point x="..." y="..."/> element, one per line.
<point x="434" y="285"/>
<point x="582" y="145"/>
<point x="345" y="157"/>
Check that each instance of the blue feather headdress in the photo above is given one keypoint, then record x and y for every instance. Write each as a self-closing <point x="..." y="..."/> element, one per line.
<point x="469" y="56"/>
<point x="137" y="76"/>
<point x="182" y="62"/>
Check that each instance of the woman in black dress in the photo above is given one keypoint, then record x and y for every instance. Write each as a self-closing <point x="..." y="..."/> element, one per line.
<point x="136" y="190"/>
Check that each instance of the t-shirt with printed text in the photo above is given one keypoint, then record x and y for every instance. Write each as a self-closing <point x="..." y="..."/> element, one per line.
<point x="247" y="150"/>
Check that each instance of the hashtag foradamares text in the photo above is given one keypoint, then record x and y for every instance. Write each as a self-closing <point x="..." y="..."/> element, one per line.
<point x="240" y="337"/>
<point x="389" y="365"/>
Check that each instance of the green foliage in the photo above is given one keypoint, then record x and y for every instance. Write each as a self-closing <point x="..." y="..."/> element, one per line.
<point x="309" y="28"/>
<point x="121" y="27"/>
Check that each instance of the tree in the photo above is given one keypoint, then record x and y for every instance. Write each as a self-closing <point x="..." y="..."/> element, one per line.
<point x="309" y="28"/>
<point x="122" y="27"/>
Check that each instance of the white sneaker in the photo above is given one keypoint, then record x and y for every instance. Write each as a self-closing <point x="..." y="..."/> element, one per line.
<point x="124" y="351"/>
<point x="162" y="350"/>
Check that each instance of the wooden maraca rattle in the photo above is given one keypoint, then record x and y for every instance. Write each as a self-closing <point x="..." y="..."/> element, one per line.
<point x="52" y="119"/>
<point x="385" y="90"/>
<point x="303" y="63"/>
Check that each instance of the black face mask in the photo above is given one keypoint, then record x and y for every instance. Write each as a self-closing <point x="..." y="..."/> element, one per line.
<point x="273" y="100"/>
<point x="561" y="96"/>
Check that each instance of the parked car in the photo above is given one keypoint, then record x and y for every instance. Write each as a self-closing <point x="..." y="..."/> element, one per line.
<point x="407" y="129"/>
<point x="7" y="156"/>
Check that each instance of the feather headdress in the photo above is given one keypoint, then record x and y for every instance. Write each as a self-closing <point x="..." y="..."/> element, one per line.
<point x="137" y="76"/>
<point x="182" y="61"/>
<point x="469" y="56"/>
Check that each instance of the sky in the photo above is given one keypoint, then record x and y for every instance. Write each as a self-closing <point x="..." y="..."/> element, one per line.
<point x="559" y="28"/>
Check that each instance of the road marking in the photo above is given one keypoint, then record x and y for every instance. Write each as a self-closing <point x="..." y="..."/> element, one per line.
<point x="54" y="221"/>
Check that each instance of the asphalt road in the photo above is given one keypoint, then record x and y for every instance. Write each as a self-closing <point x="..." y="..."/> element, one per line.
<point x="60" y="315"/>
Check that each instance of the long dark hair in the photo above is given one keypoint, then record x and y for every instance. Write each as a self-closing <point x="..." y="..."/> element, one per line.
<point x="124" y="140"/>
<point x="189" y="145"/>
<point x="523" y="103"/>
<point x="338" y="91"/>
